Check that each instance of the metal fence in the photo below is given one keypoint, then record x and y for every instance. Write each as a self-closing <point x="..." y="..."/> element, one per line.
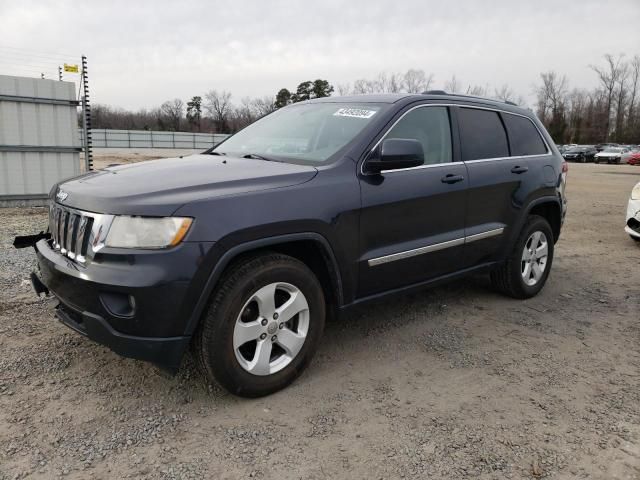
<point x="106" y="138"/>
<point x="39" y="144"/>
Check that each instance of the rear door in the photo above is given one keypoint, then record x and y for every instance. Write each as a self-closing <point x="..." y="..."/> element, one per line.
<point x="502" y="153"/>
<point x="412" y="220"/>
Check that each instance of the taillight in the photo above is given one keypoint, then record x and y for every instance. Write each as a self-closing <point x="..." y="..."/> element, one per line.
<point x="565" y="167"/>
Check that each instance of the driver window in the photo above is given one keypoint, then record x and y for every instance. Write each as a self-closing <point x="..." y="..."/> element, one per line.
<point x="431" y="127"/>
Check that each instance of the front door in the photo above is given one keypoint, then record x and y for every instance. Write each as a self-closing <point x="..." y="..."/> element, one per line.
<point x="412" y="220"/>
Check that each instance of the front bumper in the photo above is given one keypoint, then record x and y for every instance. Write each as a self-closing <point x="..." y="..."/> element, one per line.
<point x="632" y="226"/>
<point x="164" y="352"/>
<point x="136" y="304"/>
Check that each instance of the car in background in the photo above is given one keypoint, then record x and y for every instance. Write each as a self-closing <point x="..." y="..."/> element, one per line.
<point x="634" y="159"/>
<point x="582" y="154"/>
<point x="602" y="146"/>
<point x="633" y="214"/>
<point x="613" y="155"/>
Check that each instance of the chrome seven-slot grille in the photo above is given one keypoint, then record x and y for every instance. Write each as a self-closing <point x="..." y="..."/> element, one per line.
<point x="70" y="231"/>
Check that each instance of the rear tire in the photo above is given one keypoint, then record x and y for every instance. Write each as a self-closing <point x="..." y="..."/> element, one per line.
<point x="525" y="271"/>
<point x="263" y="325"/>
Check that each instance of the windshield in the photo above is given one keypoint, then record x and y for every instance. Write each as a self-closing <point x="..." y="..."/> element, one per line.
<point x="613" y="150"/>
<point x="577" y="150"/>
<point x="309" y="132"/>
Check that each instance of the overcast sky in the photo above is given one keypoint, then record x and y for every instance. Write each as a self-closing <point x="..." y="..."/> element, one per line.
<point x="142" y="53"/>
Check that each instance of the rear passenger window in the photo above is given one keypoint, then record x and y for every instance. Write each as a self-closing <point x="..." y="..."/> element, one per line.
<point x="524" y="136"/>
<point x="431" y="127"/>
<point x="481" y="134"/>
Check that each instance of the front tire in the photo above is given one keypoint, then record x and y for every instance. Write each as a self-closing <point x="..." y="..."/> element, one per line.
<point x="525" y="271"/>
<point x="263" y="325"/>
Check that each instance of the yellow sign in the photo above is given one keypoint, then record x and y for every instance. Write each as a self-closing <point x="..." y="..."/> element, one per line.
<point x="71" y="68"/>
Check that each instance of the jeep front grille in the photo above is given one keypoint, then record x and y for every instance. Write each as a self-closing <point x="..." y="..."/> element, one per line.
<point x="70" y="231"/>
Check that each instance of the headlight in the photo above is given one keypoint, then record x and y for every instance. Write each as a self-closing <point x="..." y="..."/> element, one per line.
<point x="635" y="193"/>
<point x="147" y="232"/>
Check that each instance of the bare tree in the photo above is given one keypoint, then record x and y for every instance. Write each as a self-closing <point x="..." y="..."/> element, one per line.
<point x="551" y="103"/>
<point x="387" y="83"/>
<point x="609" y="76"/>
<point x="452" y="85"/>
<point x="635" y="84"/>
<point x="343" y="89"/>
<point x="477" y="90"/>
<point x="415" y="81"/>
<point x="218" y="104"/>
<point x="263" y="106"/>
<point x="244" y="113"/>
<point x="620" y="107"/>
<point x="363" y="86"/>
<point x="551" y="94"/>
<point x="505" y="93"/>
<point x="171" y="111"/>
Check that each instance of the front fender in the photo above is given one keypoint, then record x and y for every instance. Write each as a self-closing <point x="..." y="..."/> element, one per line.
<point x="223" y="260"/>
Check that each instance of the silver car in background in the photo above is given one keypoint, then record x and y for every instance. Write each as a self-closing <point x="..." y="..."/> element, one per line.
<point x="613" y="155"/>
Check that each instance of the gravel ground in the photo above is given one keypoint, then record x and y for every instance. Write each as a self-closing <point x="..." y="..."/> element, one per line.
<point x="456" y="382"/>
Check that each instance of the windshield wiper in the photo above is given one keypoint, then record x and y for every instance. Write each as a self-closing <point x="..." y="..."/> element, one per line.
<point x="258" y="157"/>
<point x="217" y="153"/>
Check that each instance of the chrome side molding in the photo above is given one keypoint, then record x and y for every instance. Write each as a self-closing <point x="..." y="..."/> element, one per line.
<point x="434" y="247"/>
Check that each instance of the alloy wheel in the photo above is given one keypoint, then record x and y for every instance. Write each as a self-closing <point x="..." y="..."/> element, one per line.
<point x="271" y="328"/>
<point x="534" y="258"/>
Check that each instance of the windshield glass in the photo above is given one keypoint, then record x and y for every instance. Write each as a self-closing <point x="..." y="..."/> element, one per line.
<point x="577" y="150"/>
<point x="613" y="150"/>
<point x="308" y="132"/>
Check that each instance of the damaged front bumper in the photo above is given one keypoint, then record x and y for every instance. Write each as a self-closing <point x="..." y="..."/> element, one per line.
<point x="632" y="226"/>
<point x="134" y="303"/>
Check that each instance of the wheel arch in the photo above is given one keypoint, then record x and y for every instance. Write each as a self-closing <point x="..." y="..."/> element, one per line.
<point x="551" y="211"/>
<point x="547" y="207"/>
<point x="310" y="248"/>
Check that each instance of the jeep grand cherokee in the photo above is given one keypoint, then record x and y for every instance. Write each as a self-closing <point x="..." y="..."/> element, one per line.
<point x="242" y="251"/>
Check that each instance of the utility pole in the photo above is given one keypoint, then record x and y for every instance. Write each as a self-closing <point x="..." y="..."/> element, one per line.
<point x="86" y="116"/>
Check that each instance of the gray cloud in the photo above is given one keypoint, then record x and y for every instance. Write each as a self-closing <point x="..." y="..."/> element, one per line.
<point x="142" y="53"/>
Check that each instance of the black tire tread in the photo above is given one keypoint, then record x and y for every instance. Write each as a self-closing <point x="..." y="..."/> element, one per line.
<point x="502" y="277"/>
<point x="235" y="273"/>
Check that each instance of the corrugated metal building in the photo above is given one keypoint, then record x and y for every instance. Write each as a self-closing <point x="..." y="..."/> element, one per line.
<point x="39" y="141"/>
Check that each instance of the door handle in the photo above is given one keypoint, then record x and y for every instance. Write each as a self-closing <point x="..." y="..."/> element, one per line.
<point x="519" y="170"/>
<point x="451" y="178"/>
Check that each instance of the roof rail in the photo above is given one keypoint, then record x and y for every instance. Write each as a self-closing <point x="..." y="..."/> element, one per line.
<point x="442" y="92"/>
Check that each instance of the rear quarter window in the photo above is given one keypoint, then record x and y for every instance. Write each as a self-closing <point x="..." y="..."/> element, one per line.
<point x="524" y="136"/>
<point x="482" y="134"/>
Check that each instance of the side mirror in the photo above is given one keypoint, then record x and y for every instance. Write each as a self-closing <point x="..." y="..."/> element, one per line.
<point x="396" y="153"/>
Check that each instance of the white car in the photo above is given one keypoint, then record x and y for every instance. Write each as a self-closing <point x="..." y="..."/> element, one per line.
<point x="613" y="155"/>
<point x="633" y="214"/>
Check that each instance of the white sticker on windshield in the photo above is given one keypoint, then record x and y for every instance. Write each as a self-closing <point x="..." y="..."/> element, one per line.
<point x="354" y="112"/>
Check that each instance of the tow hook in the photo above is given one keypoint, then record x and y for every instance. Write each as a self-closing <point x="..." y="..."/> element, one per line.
<point x="29" y="240"/>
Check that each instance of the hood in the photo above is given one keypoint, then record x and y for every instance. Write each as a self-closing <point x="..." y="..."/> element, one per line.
<point x="159" y="187"/>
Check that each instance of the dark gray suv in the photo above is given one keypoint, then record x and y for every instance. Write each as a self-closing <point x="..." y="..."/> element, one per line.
<point x="241" y="252"/>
